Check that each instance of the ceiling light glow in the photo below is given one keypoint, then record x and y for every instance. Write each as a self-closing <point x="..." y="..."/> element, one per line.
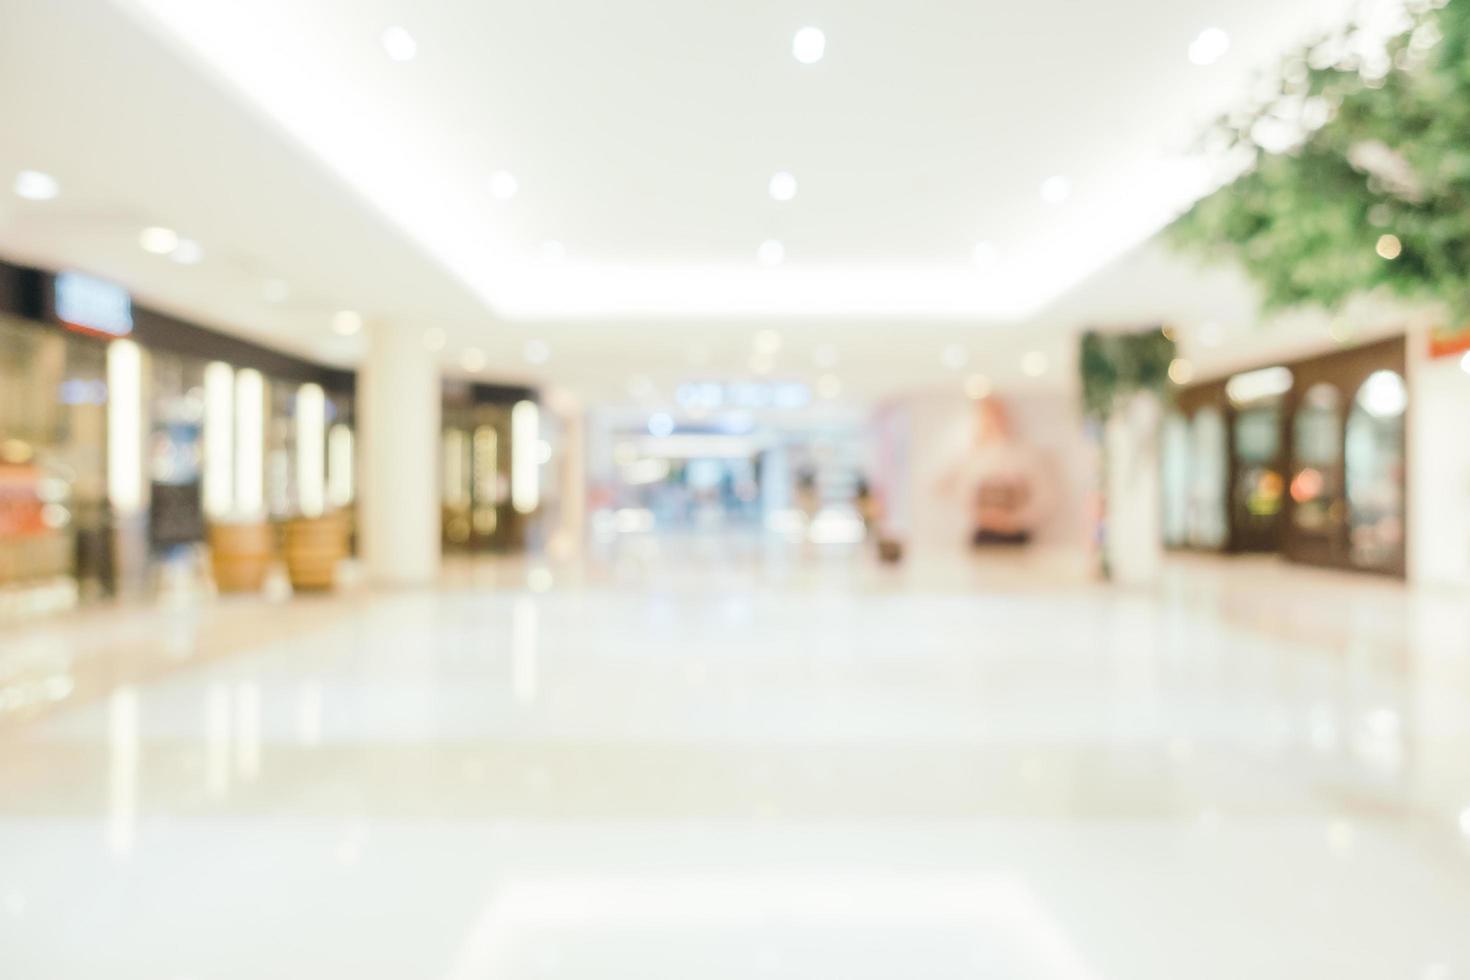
<point x="954" y="357"/>
<point x="1056" y="190"/>
<point x="1389" y="247"/>
<point x="1181" y="371"/>
<point x="771" y="253"/>
<point x="783" y="187"/>
<point x="399" y="44"/>
<point x="328" y="119"/>
<point x="503" y="185"/>
<point x="33" y="185"/>
<point x="158" y="241"/>
<point x="767" y="342"/>
<point x="809" y="45"/>
<point x="1209" y="47"/>
<point x="187" y="252"/>
<point x="1384" y="395"/>
<point x="977" y="386"/>
<point x="345" y="323"/>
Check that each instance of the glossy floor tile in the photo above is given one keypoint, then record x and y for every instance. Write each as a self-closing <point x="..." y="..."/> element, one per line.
<point x="721" y="761"/>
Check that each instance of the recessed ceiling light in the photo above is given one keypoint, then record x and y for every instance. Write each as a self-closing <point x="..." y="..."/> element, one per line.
<point x="553" y="253"/>
<point x="159" y="241"/>
<point x="187" y="252"/>
<point x="345" y="323"/>
<point x="503" y="185"/>
<point x="36" y="186"/>
<point x="275" y="290"/>
<point x="767" y="342"/>
<point x="977" y="386"/>
<point x="825" y="355"/>
<point x="984" y="255"/>
<point x="435" y="338"/>
<point x="1056" y="190"/>
<point x="771" y="253"/>
<point x="473" y="359"/>
<point x="954" y="357"/>
<point x="1389" y="247"/>
<point x="829" y="386"/>
<point x="1034" y="364"/>
<point x="783" y="187"/>
<point x="537" y="352"/>
<point x="809" y="45"/>
<point x="1209" y="47"/>
<point x="399" y="44"/>
<point x="1181" y="371"/>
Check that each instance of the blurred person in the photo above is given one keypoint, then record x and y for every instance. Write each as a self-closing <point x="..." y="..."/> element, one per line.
<point x="868" y="506"/>
<point x="808" y="497"/>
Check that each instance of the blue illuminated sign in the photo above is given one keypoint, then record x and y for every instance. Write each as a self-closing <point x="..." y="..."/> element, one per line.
<point x="93" y="305"/>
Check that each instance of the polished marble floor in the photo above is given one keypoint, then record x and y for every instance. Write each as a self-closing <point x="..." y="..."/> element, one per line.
<point x="699" y="763"/>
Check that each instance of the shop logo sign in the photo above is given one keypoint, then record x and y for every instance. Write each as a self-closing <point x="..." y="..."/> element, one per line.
<point x="93" y="306"/>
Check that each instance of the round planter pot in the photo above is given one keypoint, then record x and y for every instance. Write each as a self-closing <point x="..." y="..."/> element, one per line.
<point x="314" y="546"/>
<point x="240" y="555"/>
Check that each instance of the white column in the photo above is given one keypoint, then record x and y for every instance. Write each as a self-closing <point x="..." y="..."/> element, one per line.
<point x="1439" y="468"/>
<point x="398" y="432"/>
<point x="1135" y="534"/>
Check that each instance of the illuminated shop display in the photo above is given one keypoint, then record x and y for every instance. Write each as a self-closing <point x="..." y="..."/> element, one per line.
<point x="1306" y="459"/>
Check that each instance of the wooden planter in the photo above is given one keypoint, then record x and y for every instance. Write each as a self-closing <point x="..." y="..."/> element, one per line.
<point x="240" y="555"/>
<point x="313" y="548"/>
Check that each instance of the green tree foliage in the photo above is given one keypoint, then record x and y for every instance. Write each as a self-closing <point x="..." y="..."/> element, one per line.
<point x="1362" y="137"/>
<point x="1116" y="365"/>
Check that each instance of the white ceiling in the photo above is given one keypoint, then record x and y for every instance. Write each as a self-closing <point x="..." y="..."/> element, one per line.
<point x="642" y="134"/>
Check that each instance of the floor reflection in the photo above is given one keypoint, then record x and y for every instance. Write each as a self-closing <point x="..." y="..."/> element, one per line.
<point x="685" y="762"/>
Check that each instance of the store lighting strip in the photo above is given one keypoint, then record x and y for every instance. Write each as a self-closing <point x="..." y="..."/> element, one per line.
<point x="219" y="439"/>
<point x="525" y="467"/>
<point x="341" y="472"/>
<point x="125" y="427"/>
<point x="249" y="443"/>
<point x="311" y="448"/>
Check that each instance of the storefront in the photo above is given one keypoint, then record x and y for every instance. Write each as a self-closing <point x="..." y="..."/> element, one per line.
<point x="1306" y="459"/>
<point x="490" y="466"/>
<point x="124" y="432"/>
